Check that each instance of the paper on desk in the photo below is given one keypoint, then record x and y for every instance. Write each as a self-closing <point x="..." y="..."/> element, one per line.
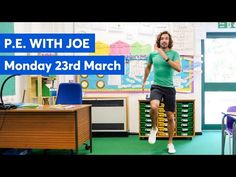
<point x="59" y="106"/>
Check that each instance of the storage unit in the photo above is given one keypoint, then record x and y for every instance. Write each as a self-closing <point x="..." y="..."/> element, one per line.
<point x="184" y="117"/>
<point x="109" y="114"/>
<point x="38" y="91"/>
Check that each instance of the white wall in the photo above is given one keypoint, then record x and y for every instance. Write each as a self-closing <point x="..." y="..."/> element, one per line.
<point x="37" y="27"/>
<point x="200" y="33"/>
<point x="201" y="30"/>
<point x="133" y="98"/>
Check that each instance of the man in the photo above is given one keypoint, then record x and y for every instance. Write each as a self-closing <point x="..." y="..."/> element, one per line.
<point x="165" y="61"/>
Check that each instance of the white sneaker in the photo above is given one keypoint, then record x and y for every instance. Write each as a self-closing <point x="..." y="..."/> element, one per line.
<point x="171" y="148"/>
<point x="152" y="136"/>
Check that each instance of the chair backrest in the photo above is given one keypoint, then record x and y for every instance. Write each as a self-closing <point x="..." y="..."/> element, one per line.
<point x="230" y="120"/>
<point x="69" y="93"/>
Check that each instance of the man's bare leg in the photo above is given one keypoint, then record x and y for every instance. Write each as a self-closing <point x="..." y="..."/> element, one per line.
<point x="153" y="113"/>
<point x="171" y="129"/>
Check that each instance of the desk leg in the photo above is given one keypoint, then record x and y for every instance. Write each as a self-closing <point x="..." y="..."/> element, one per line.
<point x="90" y="122"/>
<point x="76" y="134"/>
<point x="83" y="125"/>
<point x="73" y="152"/>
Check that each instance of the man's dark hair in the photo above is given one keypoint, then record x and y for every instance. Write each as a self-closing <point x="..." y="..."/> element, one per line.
<point x="159" y="39"/>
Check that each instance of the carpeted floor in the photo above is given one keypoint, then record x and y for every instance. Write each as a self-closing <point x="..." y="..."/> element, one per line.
<point x="209" y="143"/>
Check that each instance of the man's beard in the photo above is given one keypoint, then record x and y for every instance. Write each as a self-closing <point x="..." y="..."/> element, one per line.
<point x="164" y="46"/>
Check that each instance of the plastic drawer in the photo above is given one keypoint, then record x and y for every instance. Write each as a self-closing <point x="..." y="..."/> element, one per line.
<point x="187" y="124"/>
<point x="179" y="133"/>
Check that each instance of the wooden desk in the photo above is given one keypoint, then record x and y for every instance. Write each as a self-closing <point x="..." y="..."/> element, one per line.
<point x="46" y="127"/>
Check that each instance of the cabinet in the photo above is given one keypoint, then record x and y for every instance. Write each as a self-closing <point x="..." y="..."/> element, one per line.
<point x="184" y="119"/>
<point x="38" y="89"/>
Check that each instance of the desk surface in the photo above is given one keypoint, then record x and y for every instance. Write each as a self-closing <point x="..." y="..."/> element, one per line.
<point x="50" y="108"/>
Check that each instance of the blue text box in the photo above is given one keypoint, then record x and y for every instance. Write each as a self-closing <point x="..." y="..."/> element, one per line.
<point x="60" y="42"/>
<point x="43" y="65"/>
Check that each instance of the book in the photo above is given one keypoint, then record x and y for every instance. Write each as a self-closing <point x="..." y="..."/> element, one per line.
<point x="27" y="105"/>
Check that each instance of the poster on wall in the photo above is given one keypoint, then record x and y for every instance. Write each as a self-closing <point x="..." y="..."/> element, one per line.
<point x="116" y="39"/>
<point x="135" y="62"/>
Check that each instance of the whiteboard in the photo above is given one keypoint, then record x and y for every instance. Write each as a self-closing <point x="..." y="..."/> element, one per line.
<point x="135" y="41"/>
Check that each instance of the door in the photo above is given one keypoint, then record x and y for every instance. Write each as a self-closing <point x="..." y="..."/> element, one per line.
<point x="219" y="77"/>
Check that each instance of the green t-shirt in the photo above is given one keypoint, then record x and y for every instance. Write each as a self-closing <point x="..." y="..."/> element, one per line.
<point x="163" y="72"/>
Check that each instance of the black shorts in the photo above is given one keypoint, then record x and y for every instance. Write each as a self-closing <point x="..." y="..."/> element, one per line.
<point x="165" y="94"/>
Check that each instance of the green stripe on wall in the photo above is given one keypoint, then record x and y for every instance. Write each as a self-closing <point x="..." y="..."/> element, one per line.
<point x="220" y="87"/>
<point x="9" y="88"/>
<point x="6" y="27"/>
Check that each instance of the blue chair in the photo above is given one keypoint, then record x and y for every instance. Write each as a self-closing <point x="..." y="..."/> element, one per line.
<point x="229" y="129"/>
<point x="69" y="93"/>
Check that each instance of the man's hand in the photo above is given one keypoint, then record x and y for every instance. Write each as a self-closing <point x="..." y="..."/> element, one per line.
<point x="161" y="52"/>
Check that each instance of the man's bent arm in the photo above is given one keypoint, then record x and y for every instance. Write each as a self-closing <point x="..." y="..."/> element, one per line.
<point x="146" y="73"/>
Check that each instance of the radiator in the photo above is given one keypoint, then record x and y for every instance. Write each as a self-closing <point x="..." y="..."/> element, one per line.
<point x="108" y="114"/>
